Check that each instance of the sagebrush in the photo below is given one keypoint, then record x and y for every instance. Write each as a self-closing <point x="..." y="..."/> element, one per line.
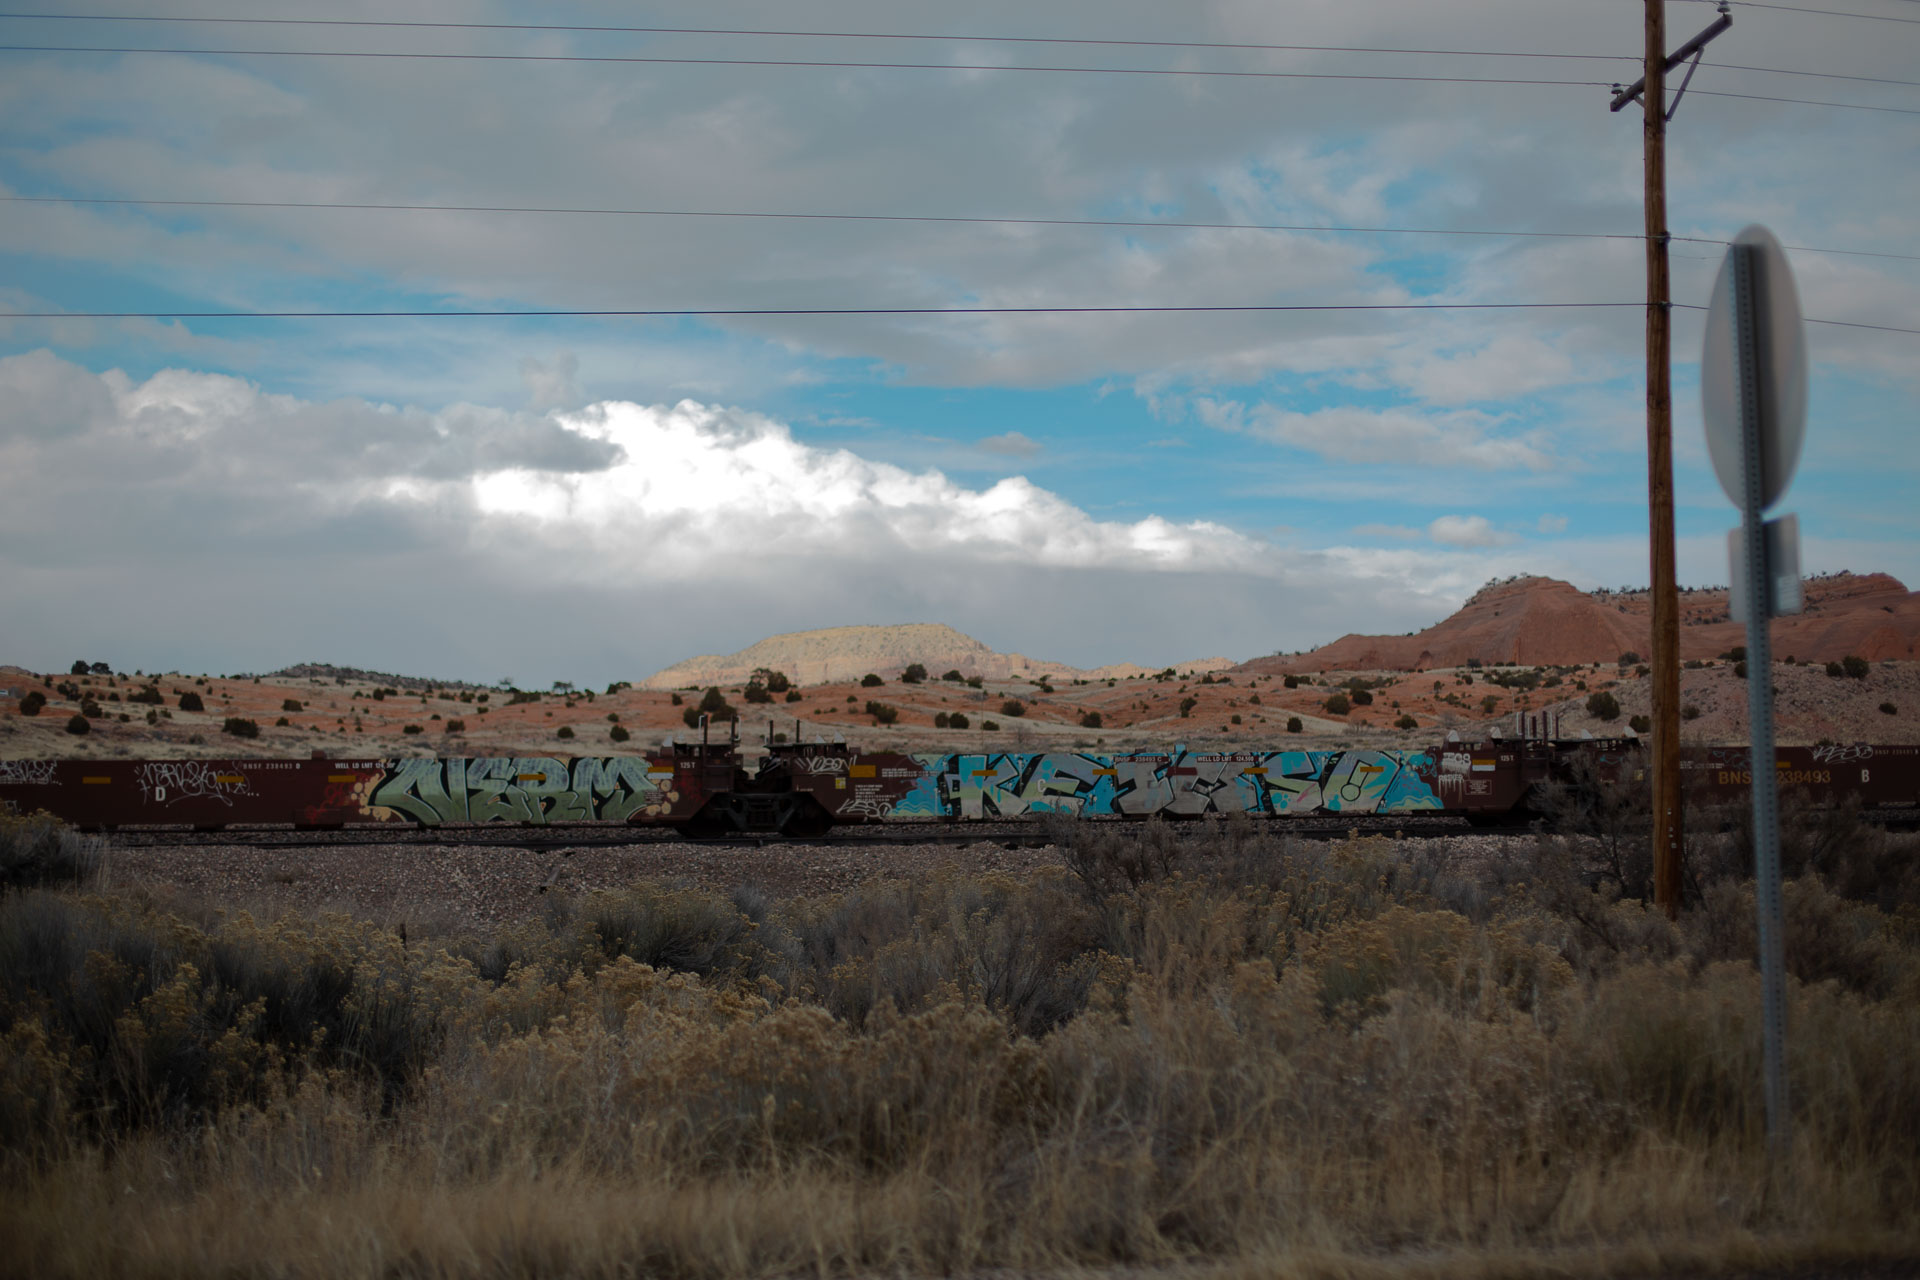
<point x="1235" y="1048"/>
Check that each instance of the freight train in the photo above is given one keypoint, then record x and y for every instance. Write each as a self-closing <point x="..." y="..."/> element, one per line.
<point x="805" y="789"/>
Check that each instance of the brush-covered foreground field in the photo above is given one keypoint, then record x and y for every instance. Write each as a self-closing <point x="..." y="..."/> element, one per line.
<point x="1237" y="1054"/>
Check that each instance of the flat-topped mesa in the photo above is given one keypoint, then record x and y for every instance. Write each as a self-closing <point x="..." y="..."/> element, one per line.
<point x="834" y="654"/>
<point x="1544" y="621"/>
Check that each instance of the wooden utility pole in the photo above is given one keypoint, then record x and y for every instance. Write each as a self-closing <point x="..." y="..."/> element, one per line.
<point x="1668" y="830"/>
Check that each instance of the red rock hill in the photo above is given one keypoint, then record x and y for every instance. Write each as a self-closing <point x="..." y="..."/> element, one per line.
<point x="1542" y="621"/>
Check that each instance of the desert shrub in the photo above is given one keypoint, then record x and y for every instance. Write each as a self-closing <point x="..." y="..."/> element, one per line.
<point x="191" y="701"/>
<point x="150" y="695"/>
<point x="90" y="709"/>
<point x="941" y="720"/>
<point x="958" y="720"/>
<point x="1602" y="705"/>
<point x="989" y="726"/>
<point x="1489" y="704"/>
<point x="882" y="713"/>
<point x="1013" y="707"/>
<point x="81" y="668"/>
<point x="1290" y="682"/>
<point x="775" y="681"/>
<point x="1337" y="705"/>
<point x="282" y="723"/>
<point x="38" y="849"/>
<point x="1406" y="722"/>
<point x="871" y="681"/>
<point x="756" y="693"/>
<point x="793" y="695"/>
<point x="456" y="726"/>
<point x="619" y="733"/>
<point x="1295" y="725"/>
<point x="1888" y="709"/>
<point x="241" y="727"/>
<point x="1177" y="1047"/>
<point x="1361" y="698"/>
<point x="1689" y="712"/>
<point x="1628" y="659"/>
<point x="1835" y="670"/>
<point x="79" y="724"/>
<point x="33" y="703"/>
<point x="954" y="676"/>
<point x="564" y="731"/>
<point x="291" y="704"/>
<point x="675" y="699"/>
<point x="715" y="705"/>
<point x="686" y="930"/>
<point x="1640" y="724"/>
<point x="1187" y="704"/>
<point x="1856" y="668"/>
<point x="1092" y="720"/>
<point x="914" y="674"/>
<point x="162" y="1022"/>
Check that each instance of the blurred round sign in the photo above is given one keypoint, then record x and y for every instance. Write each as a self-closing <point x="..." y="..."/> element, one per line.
<point x="1780" y="371"/>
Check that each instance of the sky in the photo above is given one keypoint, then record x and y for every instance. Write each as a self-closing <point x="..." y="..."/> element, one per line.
<point x="590" y="498"/>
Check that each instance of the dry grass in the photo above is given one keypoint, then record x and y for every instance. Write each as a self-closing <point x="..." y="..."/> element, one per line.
<point x="1260" y="1057"/>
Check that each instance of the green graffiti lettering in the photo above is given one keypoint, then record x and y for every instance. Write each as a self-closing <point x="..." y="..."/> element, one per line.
<point x="417" y="788"/>
<point x="622" y="780"/>
<point x="494" y="794"/>
<point x="548" y="785"/>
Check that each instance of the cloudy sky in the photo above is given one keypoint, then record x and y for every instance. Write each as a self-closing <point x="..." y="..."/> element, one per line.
<point x="593" y="497"/>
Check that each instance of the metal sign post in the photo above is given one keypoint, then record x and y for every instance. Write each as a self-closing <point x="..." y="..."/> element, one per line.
<point x="1754" y="386"/>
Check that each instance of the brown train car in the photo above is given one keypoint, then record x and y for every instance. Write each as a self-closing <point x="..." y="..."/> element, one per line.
<point x="1883" y="780"/>
<point x="673" y="788"/>
<point x="105" y="794"/>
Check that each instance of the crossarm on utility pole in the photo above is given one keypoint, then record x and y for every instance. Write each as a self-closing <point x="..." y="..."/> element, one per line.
<point x="1674" y="59"/>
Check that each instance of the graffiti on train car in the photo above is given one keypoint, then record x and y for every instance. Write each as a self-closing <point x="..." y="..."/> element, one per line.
<point x="29" y="773"/>
<point x="530" y="789"/>
<point x="1180" y="783"/>
<point x="171" y="781"/>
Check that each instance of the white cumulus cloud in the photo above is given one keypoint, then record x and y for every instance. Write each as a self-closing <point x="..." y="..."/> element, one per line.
<point x="1467" y="531"/>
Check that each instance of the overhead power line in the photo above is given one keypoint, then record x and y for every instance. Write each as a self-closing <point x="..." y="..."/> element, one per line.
<point x="672" y="313"/>
<point x="843" y="64"/>
<point x="694" y="313"/>
<point x="1805" y="102"/>
<point x="1824" y="13"/>
<point x="830" y="64"/>
<point x="1839" y="324"/>
<point x="1816" y="75"/>
<point x="974" y="38"/>
<point x="1111" y="223"/>
<point x="953" y="37"/>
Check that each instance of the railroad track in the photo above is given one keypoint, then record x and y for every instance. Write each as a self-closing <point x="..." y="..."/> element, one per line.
<point x="1007" y="834"/>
